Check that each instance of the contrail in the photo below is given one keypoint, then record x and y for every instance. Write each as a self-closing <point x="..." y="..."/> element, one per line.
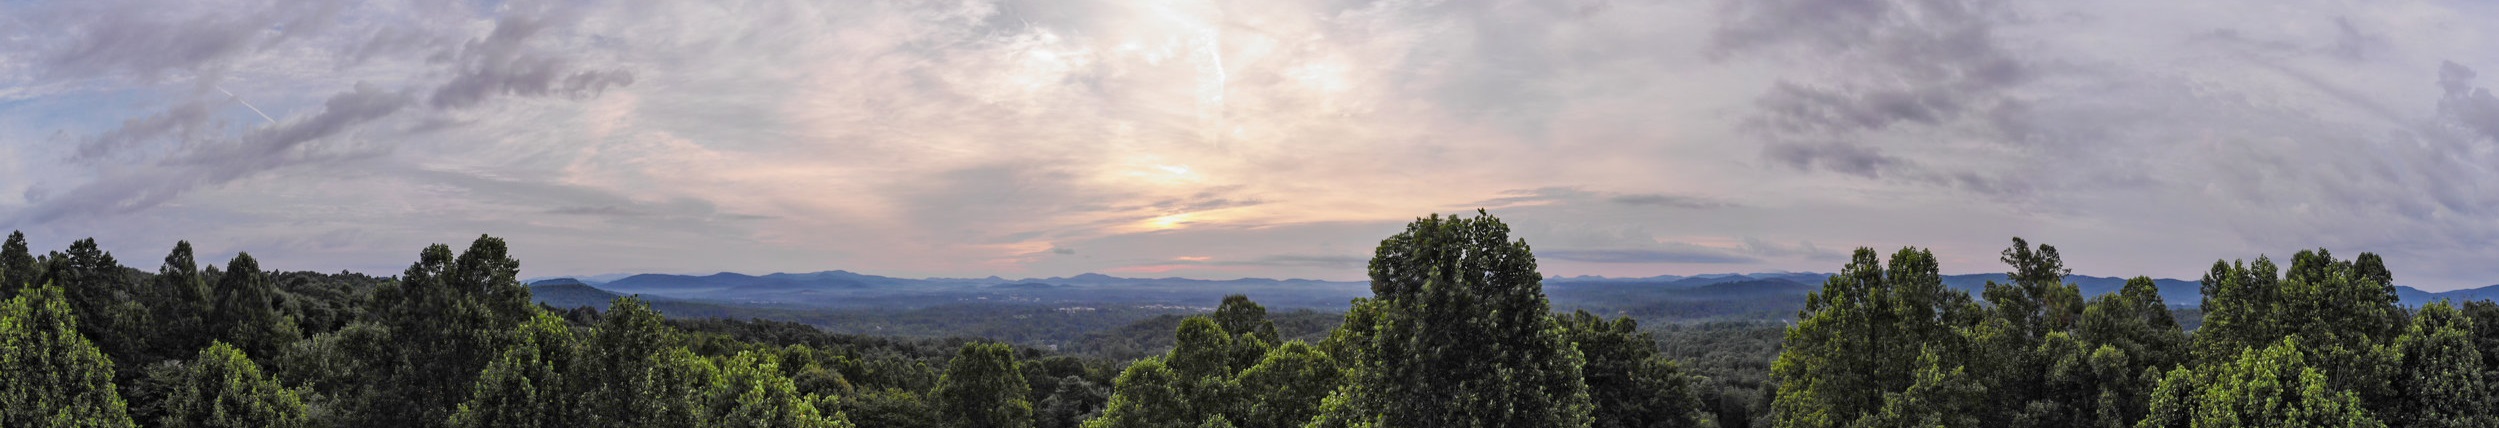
<point x="246" y="104"/>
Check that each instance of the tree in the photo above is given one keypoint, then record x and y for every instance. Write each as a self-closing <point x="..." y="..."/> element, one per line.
<point x="1861" y="340"/>
<point x="180" y="303"/>
<point x="2485" y="316"/>
<point x="1146" y="395"/>
<point x="526" y="386"/>
<point x="447" y="318"/>
<point x="2117" y="354"/>
<point x="102" y="295"/>
<point x="982" y="388"/>
<point x="247" y="309"/>
<point x="222" y="388"/>
<point x="2011" y="361"/>
<point x="2270" y="387"/>
<point x="54" y="377"/>
<point x="1629" y="380"/>
<point x="1462" y="336"/>
<point x="752" y="393"/>
<point x="1285" y="388"/>
<point x="2442" y="381"/>
<point x="18" y="267"/>
<point x="2343" y="312"/>
<point x="616" y="383"/>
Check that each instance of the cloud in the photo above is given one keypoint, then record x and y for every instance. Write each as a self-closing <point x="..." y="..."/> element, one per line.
<point x="962" y="138"/>
<point x="1680" y="256"/>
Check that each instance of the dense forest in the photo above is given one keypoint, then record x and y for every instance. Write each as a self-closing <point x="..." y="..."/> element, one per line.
<point x="1458" y="332"/>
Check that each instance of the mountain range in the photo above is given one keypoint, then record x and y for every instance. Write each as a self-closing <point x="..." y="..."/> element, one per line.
<point x="840" y="288"/>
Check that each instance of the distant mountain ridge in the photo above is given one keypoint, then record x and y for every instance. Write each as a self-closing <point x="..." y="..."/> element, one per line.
<point x="840" y="287"/>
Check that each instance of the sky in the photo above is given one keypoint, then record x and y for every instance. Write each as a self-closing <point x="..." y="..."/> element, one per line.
<point x="1266" y="138"/>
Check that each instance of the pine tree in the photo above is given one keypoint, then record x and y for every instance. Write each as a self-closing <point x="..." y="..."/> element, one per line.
<point x="53" y="376"/>
<point x="222" y="388"/>
<point x="247" y="309"/>
<point x="983" y="389"/>
<point x="1462" y="336"/>
<point x="18" y="268"/>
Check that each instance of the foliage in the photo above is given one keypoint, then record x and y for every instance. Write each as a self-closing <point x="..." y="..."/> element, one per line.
<point x="2272" y="387"/>
<point x="223" y="389"/>
<point x="54" y="377"/>
<point x="983" y="388"/>
<point x="1862" y="339"/>
<point x="1457" y="334"/>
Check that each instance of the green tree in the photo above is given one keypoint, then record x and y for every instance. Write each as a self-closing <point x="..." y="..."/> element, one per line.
<point x="222" y="388"/>
<point x="982" y="388"/>
<point x="50" y="376"/>
<point x="1629" y="380"/>
<point x="247" y="309"/>
<point x="2343" y="312"/>
<point x="2012" y="342"/>
<point x="1938" y="396"/>
<point x="2485" y="316"/>
<point x="103" y="295"/>
<point x="526" y="386"/>
<point x="2270" y="387"/>
<point x="2105" y="371"/>
<point x="1285" y="388"/>
<point x="1146" y="395"/>
<point x="18" y="267"/>
<point x="2442" y="381"/>
<point x="447" y="318"/>
<point x="617" y="384"/>
<point x="1462" y="336"/>
<point x="1862" y="337"/>
<point x="752" y="393"/>
<point x="180" y="303"/>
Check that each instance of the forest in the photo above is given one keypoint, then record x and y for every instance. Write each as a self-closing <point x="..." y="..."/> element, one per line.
<point x="1458" y="331"/>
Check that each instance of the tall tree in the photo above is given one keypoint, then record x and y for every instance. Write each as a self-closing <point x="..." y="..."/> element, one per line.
<point x="53" y="376"/>
<point x="1629" y="380"/>
<point x="222" y="388"/>
<point x="2123" y="343"/>
<point x="18" y="268"/>
<point x="247" y="309"/>
<point x="447" y="318"/>
<point x="982" y="388"/>
<point x="102" y="293"/>
<point x="1862" y="337"/>
<point x="1462" y="336"/>
<point x="2343" y="312"/>
<point x="180" y="303"/>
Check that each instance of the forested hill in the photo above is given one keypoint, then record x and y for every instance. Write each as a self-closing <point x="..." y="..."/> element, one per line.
<point x="1456" y="330"/>
<point x="1742" y="293"/>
